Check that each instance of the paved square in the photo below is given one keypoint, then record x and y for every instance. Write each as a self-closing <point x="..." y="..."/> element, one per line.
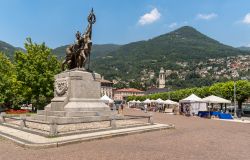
<point x="193" y="139"/>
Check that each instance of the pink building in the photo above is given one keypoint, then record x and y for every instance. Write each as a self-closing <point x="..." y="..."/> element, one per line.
<point x="122" y="94"/>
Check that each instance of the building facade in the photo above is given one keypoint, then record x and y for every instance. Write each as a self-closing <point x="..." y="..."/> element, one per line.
<point x="106" y="88"/>
<point x="122" y="94"/>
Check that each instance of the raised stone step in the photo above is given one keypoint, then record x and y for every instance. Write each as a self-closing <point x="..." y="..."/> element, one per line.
<point x="87" y="109"/>
<point x="70" y="119"/>
<point x="52" y="113"/>
<point x="81" y="114"/>
<point x="87" y="113"/>
<point x="44" y="118"/>
<point x="82" y="119"/>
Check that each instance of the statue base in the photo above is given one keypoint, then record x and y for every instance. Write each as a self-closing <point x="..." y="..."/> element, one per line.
<point x="76" y="99"/>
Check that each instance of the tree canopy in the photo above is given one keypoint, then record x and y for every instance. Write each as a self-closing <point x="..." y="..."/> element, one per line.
<point x="35" y="69"/>
<point x="225" y="90"/>
<point x="30" y="78"/>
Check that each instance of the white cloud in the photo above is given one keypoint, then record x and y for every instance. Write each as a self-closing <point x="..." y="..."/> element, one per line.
<point x="149" y="18"/>
<point x="246" y="19"/>
<point x="172" y="25"/>
<point x="248" y="45"/>
<point x="206" y="16"/>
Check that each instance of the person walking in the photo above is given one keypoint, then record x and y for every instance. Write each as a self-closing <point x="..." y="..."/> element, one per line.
<point x="145" y="108"/>
<point x="122" y="107"/>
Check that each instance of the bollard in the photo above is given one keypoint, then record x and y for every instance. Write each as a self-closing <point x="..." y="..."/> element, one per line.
<point x="23" y="121"/>
<point x="150" y="119"/>
<point x="2" y="118"/>
<point x="113" y="122"/>
<point x="53" y="128"/>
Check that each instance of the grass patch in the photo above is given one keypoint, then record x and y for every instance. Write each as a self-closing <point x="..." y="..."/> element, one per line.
<point x="1" y="139"/>
<point x="17" y="115"/>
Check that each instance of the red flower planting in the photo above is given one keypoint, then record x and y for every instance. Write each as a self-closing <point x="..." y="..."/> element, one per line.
<point x="20" y="111"/>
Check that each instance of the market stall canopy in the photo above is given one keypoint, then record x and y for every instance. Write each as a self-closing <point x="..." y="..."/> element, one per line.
<point x="191" y="99"/>
<point x="106" y="98"/>
<point x="132" y="101"/>
<point x="147" y="101"/>
<point x="215" y="99"/>
<point x="170" y="102"/>
<point x="138" y="101"/>
<point x="153" y="100"/>
<point x="159" y="100"/>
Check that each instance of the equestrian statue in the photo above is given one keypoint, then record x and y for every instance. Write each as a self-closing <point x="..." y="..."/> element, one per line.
<point x="78" y="54"/>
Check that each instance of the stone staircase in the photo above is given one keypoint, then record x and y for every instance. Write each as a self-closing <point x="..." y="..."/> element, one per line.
<point x="72" y="116"/>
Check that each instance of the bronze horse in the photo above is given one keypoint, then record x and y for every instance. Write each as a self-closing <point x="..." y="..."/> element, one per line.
<point x="78" y="53"/>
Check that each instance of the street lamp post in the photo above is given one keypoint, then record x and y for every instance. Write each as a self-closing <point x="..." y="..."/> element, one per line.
<point x="168" y="93"/>
<point x="235" y="107"/>
<point x="235" y="74"/>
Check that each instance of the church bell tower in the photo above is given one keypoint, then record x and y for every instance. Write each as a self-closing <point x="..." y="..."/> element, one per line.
<point x="162" y="78"/>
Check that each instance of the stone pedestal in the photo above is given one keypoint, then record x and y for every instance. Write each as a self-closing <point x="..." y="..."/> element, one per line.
<point x="76" y="99"/>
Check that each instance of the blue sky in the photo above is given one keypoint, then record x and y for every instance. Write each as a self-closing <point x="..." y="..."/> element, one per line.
<point x="122" y="21"/>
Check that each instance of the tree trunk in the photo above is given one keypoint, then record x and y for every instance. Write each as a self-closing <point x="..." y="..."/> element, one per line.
<point x="239" y="108"/>
<point x="37" y="103"/>
<point x="239" y="105"/>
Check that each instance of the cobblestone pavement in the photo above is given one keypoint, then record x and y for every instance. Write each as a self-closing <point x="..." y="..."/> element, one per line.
<point x="193" y="139"/>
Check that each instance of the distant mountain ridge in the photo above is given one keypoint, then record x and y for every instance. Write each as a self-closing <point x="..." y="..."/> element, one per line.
<point x="8" y="49"/>
<point x="98" y="50"/>
<point x="183" y="44"/>
<point x="130" y="61"/>
<point x="244" y="48"/>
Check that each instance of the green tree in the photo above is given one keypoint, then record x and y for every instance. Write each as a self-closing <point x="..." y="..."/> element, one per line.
<point x="6" y="75"/>
<point x="242" y="91"/>
<point x="136" y="85"/>
<point x="225" y="90"/>
<point x="120" y="85"/>
<point x="35" y="70"/>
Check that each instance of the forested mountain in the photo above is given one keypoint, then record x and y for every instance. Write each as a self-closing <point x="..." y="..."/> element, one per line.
<point x="98" y="50"/>
<point x="179" y="51"/>
<point x="185" y="44"/>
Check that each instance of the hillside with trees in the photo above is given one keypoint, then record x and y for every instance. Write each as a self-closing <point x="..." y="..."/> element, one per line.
<point x="8" y="49"/>
<point x="185" y="51"/>
<point x="98" y="50"/>
<point x="185" y="44"/>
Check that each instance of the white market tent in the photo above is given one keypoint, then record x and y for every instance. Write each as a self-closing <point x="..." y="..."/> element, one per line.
<point x="170" y="102"/>
<point x="153" y="101"/>
<point x="215" y="99"/>
<point x="159" y="100"/>
<point x="191" y="99"/>
<point x="107" y="99"/>
<point x="147" y="101"/>
<point x="132" y="101"/>
<point x="196" y="104"/>
<point x="171" y="106"/>
<point x="138" y="101"/>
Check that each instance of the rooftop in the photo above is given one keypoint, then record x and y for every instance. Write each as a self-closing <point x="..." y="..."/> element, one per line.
<point x="156" y="90"/>
<point x="128" y="90"/>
